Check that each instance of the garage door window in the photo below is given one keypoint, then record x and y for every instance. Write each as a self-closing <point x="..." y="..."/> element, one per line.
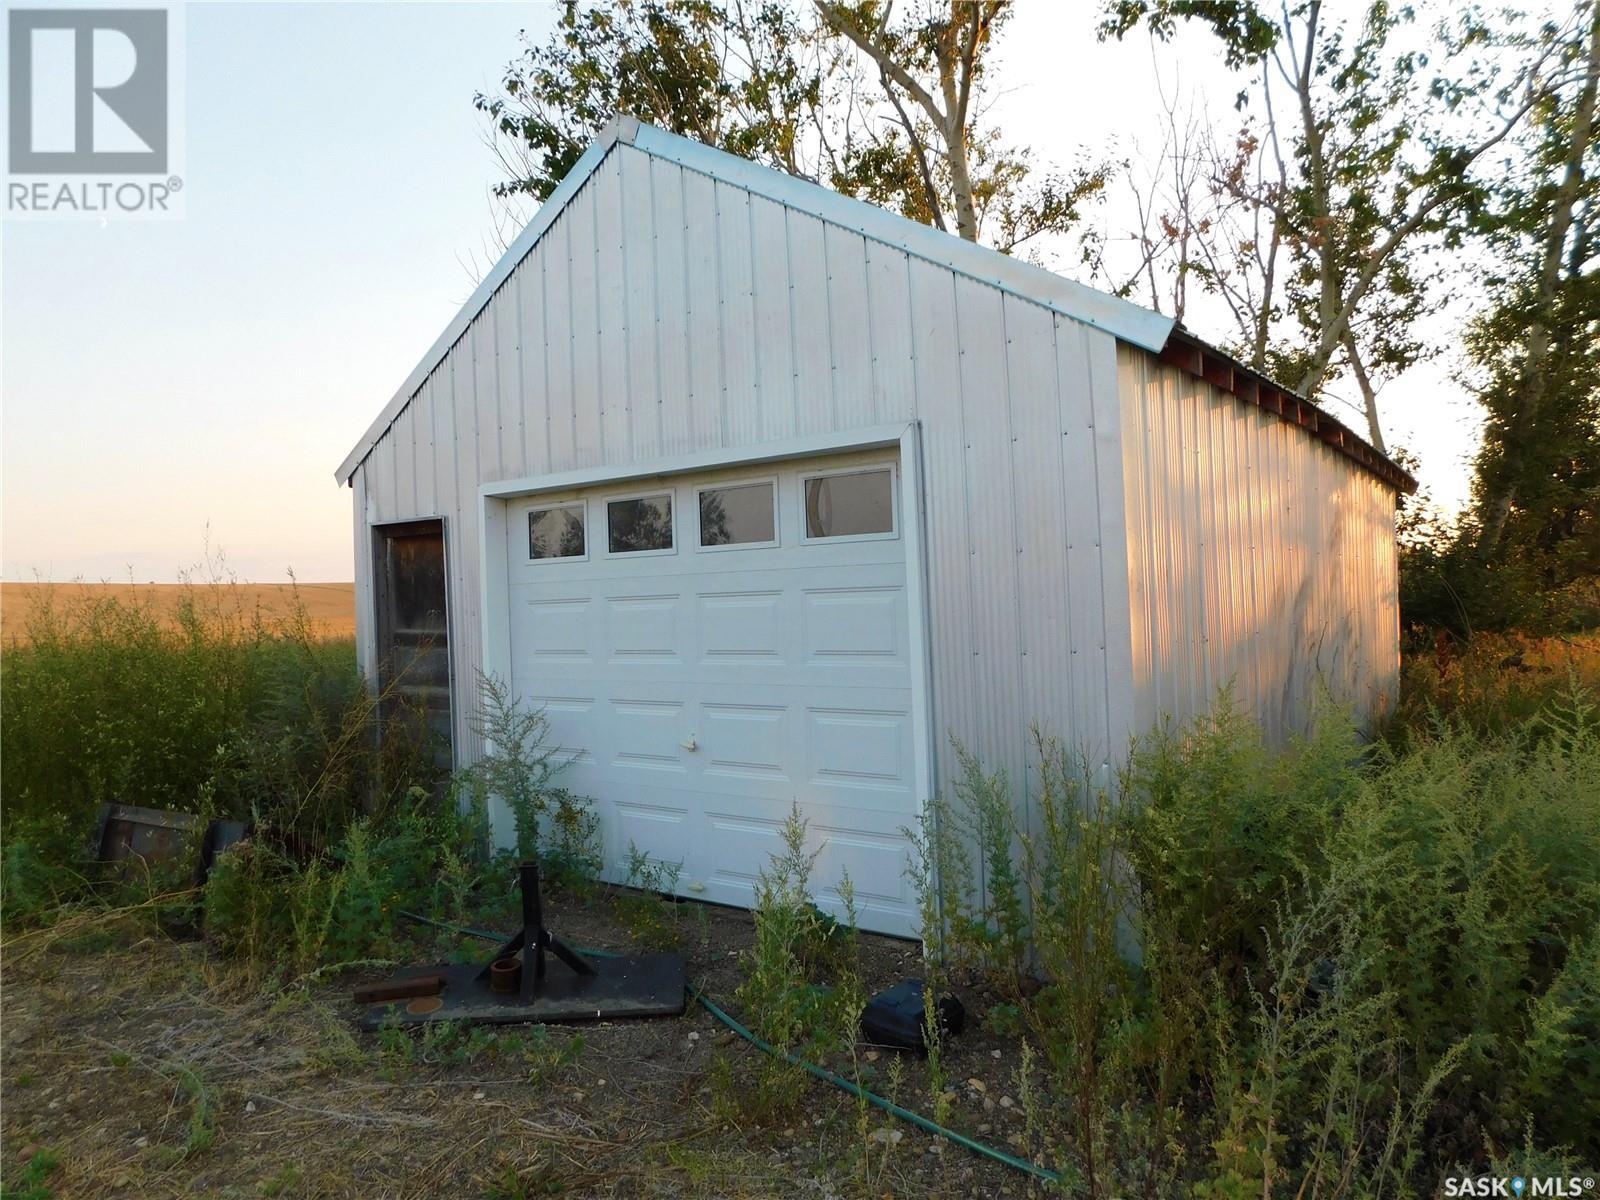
<point x="640" y="525"/>
<point x="853" y="504"/>
<point x="556" y="532"/>
<point x="738" y="515"/>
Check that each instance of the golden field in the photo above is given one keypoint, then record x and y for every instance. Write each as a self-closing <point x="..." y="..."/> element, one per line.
<point x="330" y="607"/>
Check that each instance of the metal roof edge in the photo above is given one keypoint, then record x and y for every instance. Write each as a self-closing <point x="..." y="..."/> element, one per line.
<point x="620" y="129"/>
<point x="1220" y="369"/>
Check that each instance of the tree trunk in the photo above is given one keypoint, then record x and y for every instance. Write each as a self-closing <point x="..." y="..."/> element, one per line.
<point x="1330" y="292"/>
<point x="961" y="185"/>
<point x="1369" y="396"/>
<point x="951" y="61"/>
<point x="955" y="81"/>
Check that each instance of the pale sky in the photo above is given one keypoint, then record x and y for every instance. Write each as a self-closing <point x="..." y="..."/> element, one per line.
<point x="166" y="383"/>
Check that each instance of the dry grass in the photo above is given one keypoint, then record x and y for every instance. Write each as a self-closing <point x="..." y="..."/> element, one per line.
<point x="1495" y="681"/>
<point x="330" y="607"/>
<point x="153" y="1069"/>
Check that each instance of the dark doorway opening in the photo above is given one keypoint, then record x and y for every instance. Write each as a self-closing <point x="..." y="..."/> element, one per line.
<point x="413" y="628"/>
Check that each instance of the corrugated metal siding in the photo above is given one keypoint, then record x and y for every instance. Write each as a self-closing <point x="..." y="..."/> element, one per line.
<point x="665" y="313"/>
<point x="1257" y="556"/>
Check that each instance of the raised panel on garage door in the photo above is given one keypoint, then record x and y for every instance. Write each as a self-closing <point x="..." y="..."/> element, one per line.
<point x="700" y="690"/>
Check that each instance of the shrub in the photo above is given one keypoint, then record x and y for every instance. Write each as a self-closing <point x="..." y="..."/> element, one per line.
<point x="1489" y="891"/>
<point x="1425" y="898"/>
<point x="1494" y="684"/>
<point x="268" y="908"/>
<point x="34" y="877"/>
<point x="215" y="709"/>
<point x="1529" y="583"/>
<point x="1359" y="964"/>
<point x="1224" y="828"/>
<point x="219" y="710"/>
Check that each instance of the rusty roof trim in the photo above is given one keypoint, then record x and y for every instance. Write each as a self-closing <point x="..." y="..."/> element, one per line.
<point x="1220" y="369"/>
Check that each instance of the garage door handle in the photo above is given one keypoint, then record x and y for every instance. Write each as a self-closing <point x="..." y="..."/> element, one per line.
<point x="689" y="744"/>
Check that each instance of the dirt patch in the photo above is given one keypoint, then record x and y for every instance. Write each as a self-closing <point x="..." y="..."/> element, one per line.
<point x="153" y="1069"/>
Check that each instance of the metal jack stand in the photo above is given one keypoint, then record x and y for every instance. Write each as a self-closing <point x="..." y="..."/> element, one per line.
<point x="644" y="985"/>
<point x="533" y="939"/>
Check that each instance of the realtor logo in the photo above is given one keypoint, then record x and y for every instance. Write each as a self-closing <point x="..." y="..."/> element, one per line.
<point x="88" y="91"/>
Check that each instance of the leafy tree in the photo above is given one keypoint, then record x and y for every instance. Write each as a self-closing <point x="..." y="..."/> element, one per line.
<point x="1526" y="554"/>
<point x="882" y="106"/>
<point x="1366" y="156"/>
<point x="931" y="68"/>
<point x="1537" y="349"/>
<point x="744" y="78"/>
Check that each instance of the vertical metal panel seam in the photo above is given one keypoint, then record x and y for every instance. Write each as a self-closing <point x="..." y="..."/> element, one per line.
<point x="833" y="340"/>
<point x="1068" y="588"/>
<point x="1174" y="502"/>
<point x="572" y="344"/>
<point x="675" y="403"/>
<point x="365" y="615"/>
<point x="1137" y="401"/>
<point x="519" y="279"/>
<point x="1224" y="490"/>
<point x="493" y="311"/>
<point x="794" y="342"/>
<point x="627" y="326"/>
<point x="690" y="377"/>
<point x="601" y="448"/>
<point x="544" y="359"/>
<point x="454" y="588"/>
<point x="1102" y="533"/>
<point x="1200" y="577"/>
<point x="911" y="337"/>
<point x="966" y="512"/>
<point x="472" y="375"/>
<point x="1135" y="540"/>
<point x="1017" y="552"/>
<point x="466" y="544"/>
<point x="411" y="455"/>
<point x="720" y="287"/>
<point x="873" y="413"/>
<point x="761" y="400"/>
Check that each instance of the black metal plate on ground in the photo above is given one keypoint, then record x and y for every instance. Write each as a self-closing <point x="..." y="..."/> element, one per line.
<point x="646" y="985"/>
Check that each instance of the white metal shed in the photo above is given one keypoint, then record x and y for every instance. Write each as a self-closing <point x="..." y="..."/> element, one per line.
<point x="765" y="493"/>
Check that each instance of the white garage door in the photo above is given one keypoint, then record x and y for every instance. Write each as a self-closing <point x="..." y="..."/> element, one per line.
<point x="709" y="650"/>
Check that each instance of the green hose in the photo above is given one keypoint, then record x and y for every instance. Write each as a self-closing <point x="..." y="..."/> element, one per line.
<point x="888" y="1106"/>
<point x="822" y="1073"/>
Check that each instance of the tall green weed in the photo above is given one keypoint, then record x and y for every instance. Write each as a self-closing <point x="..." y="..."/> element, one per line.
<point x="522" y="768"/>
<point x="215" y="708"/>
<point x="802" y="990"/>
<point x="280" y="914"/>
<point x="1359" y="964"/>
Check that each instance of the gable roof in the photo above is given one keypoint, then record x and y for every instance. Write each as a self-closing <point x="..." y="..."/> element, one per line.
<point x="1123" y="319"/>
